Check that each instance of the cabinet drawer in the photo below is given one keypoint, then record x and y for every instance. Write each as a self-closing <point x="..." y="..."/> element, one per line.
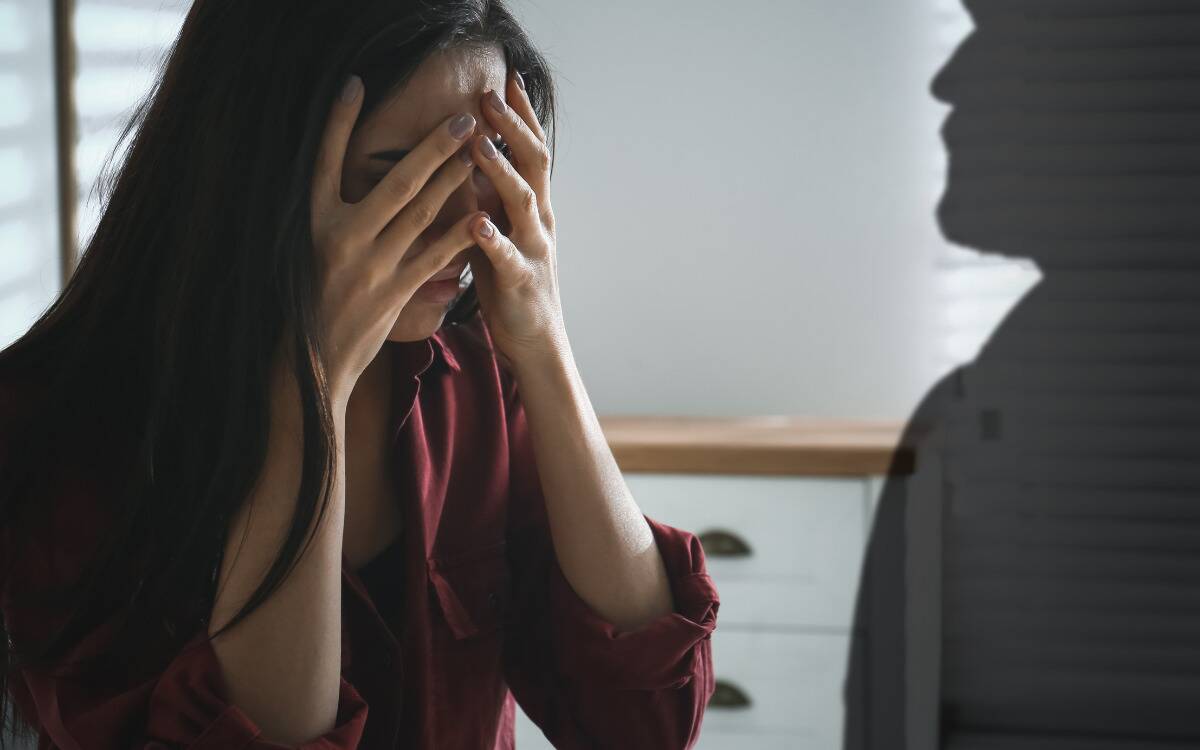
<point x="794" y="685"/>
<point x="805" y="538"/>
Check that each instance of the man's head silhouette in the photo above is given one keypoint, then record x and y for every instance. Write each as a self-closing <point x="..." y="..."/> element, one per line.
<point x="1074" y="137"/>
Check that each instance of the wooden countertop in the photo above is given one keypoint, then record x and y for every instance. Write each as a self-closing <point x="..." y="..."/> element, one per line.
<point x="795" y="446"/>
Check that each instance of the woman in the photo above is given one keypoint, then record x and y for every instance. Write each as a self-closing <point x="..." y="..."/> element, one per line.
<point x="268" y="482"/>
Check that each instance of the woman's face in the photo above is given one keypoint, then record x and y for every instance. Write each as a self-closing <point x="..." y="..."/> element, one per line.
<point x="446" y="83"/>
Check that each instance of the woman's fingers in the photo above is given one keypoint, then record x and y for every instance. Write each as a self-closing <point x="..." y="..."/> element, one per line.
<point x="532" y="156"/>
<point x="529" y="214"/>
<point x="327" y="175"/>
<point x="405" y="180"/>
<point x="414" y="270"/>
<point x="507" y="262"/>
<point x="518" y="99"/>
<point x="397" y="238"/>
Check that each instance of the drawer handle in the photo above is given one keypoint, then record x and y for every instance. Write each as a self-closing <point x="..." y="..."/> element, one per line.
<point x="721" y="543"/>
<point x="728" y="695"/>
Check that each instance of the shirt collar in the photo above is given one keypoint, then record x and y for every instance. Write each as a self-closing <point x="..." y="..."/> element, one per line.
<point x="443" y="352"/>
<point x="411" y="358"/>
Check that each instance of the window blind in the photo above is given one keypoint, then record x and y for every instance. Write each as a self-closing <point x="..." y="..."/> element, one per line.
<point x="29" y="238"/>
<point x="119" y="47"/>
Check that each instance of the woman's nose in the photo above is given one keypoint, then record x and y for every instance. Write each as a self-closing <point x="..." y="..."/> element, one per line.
<point x="487" y="198"/>
<point x="461" y="202"/>
<point x="476" y="193"/>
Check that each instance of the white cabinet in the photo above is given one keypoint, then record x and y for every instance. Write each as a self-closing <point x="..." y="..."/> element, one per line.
<point x="793" y="680"/>
<point x="804" y="539"/>
<point x="787" y="600"/>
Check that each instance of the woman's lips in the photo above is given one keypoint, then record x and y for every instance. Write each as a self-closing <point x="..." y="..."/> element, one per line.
<point x="441" y="291"/>
<point x="451" y="272"/>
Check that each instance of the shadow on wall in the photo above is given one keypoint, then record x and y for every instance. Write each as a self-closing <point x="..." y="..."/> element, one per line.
<point x="1036" y="582"/>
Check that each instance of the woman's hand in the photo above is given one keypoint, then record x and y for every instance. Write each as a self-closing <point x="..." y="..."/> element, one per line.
<point x="516" y="276"/>
<point x="366" y="273"/>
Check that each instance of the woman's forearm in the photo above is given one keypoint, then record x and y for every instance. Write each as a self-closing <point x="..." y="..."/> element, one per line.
<point x="282" y="664"/>
<point x="604" y="546"/>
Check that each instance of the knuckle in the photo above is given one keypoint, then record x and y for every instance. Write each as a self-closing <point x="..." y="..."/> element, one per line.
<point x="401" y="187"/>
<point x="422" y="214"/>
<point x="528" y="200"/>
<point x="543" y="157"/>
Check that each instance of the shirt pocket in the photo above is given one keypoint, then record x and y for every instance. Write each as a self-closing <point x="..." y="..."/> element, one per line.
<point x="474" y="590"/>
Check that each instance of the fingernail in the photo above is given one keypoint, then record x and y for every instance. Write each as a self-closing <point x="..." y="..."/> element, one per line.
<point x="464" y="154"/>
<point x="495" y="100"/>
<point x="350" y="88"/>
<point x="487" y="228"/>
<point x="520" y="80"/>
<point x="461" y="125"/>
<point x="487" y="148"/>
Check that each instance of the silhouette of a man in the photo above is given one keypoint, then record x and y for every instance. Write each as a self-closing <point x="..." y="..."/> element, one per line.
<point x="1035" y="583"/>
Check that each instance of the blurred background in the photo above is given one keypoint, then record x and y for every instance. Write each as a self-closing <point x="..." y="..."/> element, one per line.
<point x="745" y="195"/>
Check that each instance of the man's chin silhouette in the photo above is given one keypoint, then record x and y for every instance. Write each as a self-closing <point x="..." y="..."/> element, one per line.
<point x="1036" y="582"/>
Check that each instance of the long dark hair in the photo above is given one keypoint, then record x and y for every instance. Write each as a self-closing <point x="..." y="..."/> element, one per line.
<point x="149" y="375"/>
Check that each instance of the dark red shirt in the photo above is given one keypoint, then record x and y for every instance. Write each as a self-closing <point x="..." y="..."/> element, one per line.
<point x="470" y="608"/>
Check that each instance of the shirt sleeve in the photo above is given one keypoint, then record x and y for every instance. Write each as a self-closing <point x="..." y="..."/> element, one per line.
<point x="189" y="708"/>
<point x="583" y="682"/>
<point x="185" y="707"/>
